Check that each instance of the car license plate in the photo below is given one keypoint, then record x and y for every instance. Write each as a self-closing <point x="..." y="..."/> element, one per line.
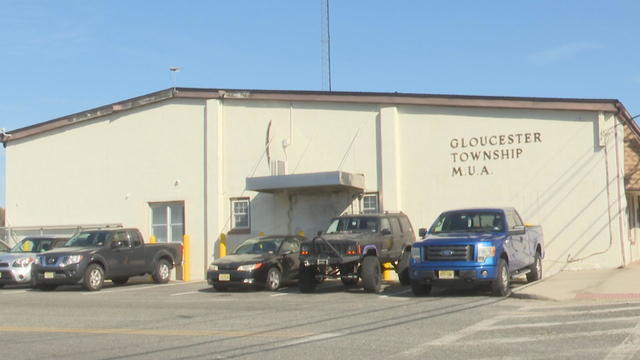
<point x="323" y="261"/>
<point x="446" y="274"/>
<point x="49" y="275"/>
<point x="224" y="277"/>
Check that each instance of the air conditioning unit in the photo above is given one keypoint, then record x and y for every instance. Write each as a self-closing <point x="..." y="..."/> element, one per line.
<point x="278" y="167"/>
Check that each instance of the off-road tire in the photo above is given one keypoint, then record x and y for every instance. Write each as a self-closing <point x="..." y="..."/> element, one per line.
<point x="307" y="282"/>
<point x="162" y="272"/>
<point x="371" y="274"/>
<point x="274" y="277"/>
<point x="500" y="286"/>
<point x="536" y="269"/>
<point x="420" y="289"/>
<point x="403" y="268"/>
<point x="120" y="280"/>
<point x="93" y="278"/>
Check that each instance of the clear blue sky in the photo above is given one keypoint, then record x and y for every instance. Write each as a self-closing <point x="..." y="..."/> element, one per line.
<point x="61" y="57"/>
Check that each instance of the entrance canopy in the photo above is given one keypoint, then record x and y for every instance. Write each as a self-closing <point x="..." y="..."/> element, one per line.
<point x="320" y="181"/>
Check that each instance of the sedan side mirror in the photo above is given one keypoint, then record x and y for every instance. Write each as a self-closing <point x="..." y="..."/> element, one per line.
<point x="422" y="232"/>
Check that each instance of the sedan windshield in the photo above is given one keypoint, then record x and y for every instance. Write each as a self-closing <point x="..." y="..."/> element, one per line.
<point x="353" y="224"/>
<point x="32" y="245"/>
<point x="88" y="239"/>
<point x="468" y="221"/>
<point x="259" y="246"/>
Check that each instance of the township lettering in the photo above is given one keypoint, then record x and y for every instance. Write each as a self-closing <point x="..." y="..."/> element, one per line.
<point x="468" y="151"/>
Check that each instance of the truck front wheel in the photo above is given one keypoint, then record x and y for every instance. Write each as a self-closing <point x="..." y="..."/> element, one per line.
<point x="403" y="268"/>
<point x="500" y="286"/>
<point x="162" y="272"/>
<point x="93" y="278"/>
<point x="371" y="274"/>
<point x="307" y="281"/>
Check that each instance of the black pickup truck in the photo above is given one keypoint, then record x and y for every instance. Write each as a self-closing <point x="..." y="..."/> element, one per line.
<point x="356" y="247"/>
<point x="90" y="257"/>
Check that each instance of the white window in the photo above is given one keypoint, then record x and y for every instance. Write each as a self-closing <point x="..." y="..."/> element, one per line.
<point x="240" y="214"/>
<point x="167" y="221"/>
<point x="370" y="203"/>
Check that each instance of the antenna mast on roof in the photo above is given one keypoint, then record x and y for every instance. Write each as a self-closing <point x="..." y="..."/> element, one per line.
<point x="173" y="71"/>
<point x="325" y="44"/>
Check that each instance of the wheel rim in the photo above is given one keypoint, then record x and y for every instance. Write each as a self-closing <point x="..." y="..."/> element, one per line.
<point x="274" y="280"/>
<point x="94" y="278"/>
<point x="539" y="268"/>
<point x="505" y="277"/>
<point x="164" y="271"/>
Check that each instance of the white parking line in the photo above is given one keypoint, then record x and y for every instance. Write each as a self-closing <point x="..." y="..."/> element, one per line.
<point x="279" y="294"/>
<point x="576" y="312"/>
<point x="185" y="293"/>
<point x="628" y="348"/>
<point x="136" y="288"/>
<point x="9" y="292"/>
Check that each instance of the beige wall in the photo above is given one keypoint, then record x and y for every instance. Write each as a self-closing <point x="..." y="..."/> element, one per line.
<point x="107" y="170"/>
<point x="201" y="152"/>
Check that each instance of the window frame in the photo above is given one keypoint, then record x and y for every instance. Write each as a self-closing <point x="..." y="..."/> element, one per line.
<point x="377" y="202"/>
<point x="235" y="229"/>
<point x="168" y="225"/>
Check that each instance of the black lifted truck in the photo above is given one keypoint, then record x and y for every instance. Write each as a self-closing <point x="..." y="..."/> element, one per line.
<point x="356" y="247"/>
<point x="90" y="257"/>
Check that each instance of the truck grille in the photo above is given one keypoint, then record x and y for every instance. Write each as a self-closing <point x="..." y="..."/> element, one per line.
<point x="449" y="253"/>
<point x="4" y="264"/>
<point x="322" y="248"/>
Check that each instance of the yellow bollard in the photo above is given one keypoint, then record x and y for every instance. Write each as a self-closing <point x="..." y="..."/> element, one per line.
<point x="152" y="239"/>
<point x="223" y="245"/>
<point x="186" y="258"/>
<point x="387" y="272"/>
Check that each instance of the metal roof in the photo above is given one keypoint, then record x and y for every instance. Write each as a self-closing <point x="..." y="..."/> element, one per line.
<point x="534" y="103"/>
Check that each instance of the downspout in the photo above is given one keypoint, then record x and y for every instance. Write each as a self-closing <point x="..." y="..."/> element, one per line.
<point x="205" y="187"/>
<point x="619" y="200"/>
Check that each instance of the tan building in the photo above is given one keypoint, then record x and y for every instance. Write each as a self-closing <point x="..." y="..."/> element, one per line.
<point x="206" y="162"/>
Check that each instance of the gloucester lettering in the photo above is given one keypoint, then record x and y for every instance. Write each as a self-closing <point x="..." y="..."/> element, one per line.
<point x="468" y="154"/>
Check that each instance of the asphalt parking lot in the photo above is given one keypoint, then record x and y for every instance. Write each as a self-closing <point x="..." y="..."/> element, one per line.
<point x="180" y="320"/>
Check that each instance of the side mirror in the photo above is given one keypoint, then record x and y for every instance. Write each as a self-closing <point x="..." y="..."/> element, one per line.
<point x="319" y="232"/>
<point x="385" y="232"/>
<point x="517" y="230"/>
<point x="286" y="252"/>
<point x="422" y="232"/>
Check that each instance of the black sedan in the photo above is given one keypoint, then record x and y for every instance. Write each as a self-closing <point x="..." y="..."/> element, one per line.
<point x="266" y="261"/>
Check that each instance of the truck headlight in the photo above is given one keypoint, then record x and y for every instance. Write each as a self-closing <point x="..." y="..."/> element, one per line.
<point x="72" y="259"/>
<point x="415" y="253"/>
<point x="23" y="262"/>
<point x="249" y="267"/>
<point x="485" y="252"/>
<point x="213" y="267"/>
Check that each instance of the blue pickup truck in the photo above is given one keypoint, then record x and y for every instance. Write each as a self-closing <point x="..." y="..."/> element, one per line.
<point x="476" y="246"/>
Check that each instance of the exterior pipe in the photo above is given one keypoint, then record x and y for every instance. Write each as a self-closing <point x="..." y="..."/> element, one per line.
<point x="619" y="200"/>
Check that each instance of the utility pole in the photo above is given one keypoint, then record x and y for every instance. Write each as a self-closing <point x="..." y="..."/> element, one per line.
<point x="325" y="44"/>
